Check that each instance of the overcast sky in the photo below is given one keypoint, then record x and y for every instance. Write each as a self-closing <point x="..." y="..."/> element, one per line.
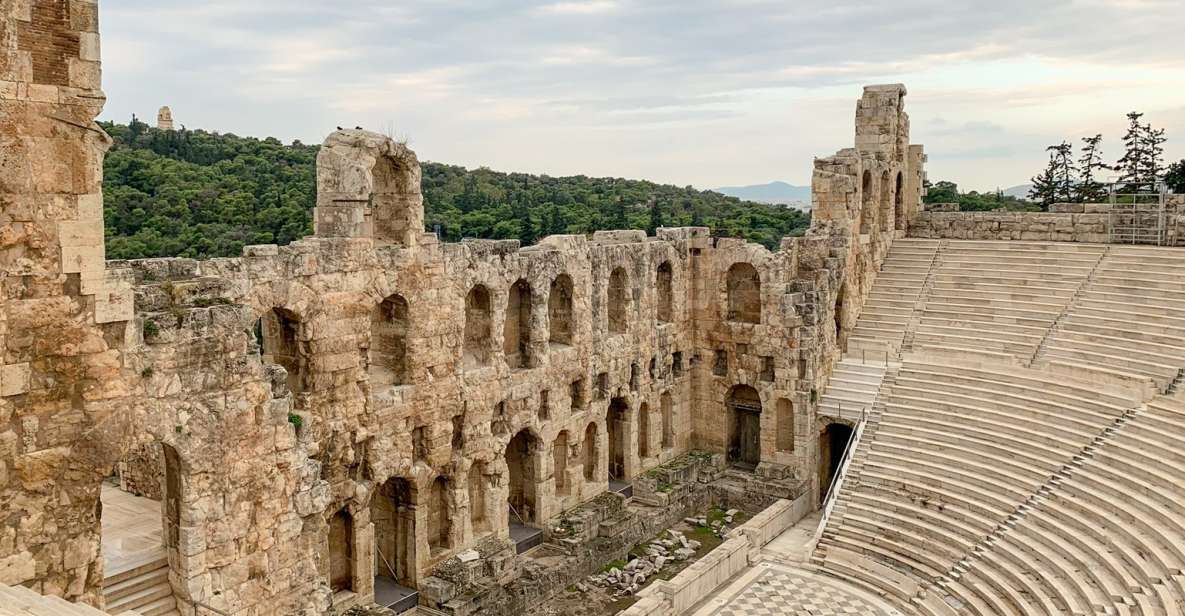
<point x="681" y="91"/>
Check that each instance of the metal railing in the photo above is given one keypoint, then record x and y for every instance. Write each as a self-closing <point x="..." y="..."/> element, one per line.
<point x="1138" y="213"/>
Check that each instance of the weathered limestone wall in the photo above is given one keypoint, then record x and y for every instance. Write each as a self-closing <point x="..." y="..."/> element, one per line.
<point x="1065" y="222"/>
<point x="370" y="386"/>
<point x="63" y="403"/>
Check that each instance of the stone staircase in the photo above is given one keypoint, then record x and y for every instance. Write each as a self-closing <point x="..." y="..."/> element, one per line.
<point x="144" y="588"/>
<point x="21" y="601"/>
<point x="852" y="389"/>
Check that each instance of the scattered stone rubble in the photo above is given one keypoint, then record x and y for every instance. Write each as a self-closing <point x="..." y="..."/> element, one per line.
<point x="671" y="547"/>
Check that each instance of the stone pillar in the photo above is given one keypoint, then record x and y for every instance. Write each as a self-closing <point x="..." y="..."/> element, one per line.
<point x="62" y="314"/>
<point x="164" y="118"/>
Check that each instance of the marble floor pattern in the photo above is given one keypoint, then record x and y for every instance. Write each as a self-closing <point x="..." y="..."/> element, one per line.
<point x="781" y="589"/>
<point x="131" y="530"/>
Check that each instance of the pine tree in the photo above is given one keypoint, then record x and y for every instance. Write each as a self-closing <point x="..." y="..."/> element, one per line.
<point x="1090" y="189"/>
<point x="1044" y="190"/>
<point x="1152" y="142"/>
<point x="1064" y="171"/>
<point x="1132" y="165"/>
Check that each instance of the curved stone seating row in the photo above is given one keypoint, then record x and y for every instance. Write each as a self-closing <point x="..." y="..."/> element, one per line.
<point x="1130" y="317"/>
<point x="1001" y="490"/>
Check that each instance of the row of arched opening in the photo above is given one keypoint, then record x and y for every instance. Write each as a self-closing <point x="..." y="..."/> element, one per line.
<point x="278" y="331"/>
<point x="891" y="206"/>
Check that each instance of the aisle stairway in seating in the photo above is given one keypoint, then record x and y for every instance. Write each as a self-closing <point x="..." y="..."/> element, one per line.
<point x="144" y="588"/>
<point x="21" y="601"/>
<point x="852" y="389"/>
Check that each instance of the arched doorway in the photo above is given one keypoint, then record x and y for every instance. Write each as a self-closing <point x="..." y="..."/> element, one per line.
<point x="520" y="462"/>
<point x="617" y="421"/>
<point x="140" y="520"/>
<point x="341" y="551"/>
<point x="744" y="293"/>
<point x="665" y="298"/>
<point x="867" y="203"/>
<point x="516" y="333"/>
<point x="476" y="351"/>
<point x="619" y="298"/>
<point x="833" y="441"/>
<point x="744" y="432"/>
<point x="393" y="513"/>
<point x="559" y="310"/>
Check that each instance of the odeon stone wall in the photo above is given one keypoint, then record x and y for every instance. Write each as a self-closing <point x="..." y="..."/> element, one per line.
<point x="1065" y="222"/>
<point x="291" y="389"/>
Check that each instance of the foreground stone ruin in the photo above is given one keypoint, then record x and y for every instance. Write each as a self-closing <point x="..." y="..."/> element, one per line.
<point x="370" y="411"/>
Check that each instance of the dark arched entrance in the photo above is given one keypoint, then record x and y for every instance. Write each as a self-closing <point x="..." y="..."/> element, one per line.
<point x="520" y="461"/>
<point x="833" y="441"/>
<point x="744" y="432"/>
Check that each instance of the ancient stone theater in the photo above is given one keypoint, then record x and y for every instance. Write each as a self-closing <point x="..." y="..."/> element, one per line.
<point x="909" y="410"/>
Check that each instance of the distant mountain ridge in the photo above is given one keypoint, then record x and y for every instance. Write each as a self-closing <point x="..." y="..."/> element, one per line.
<point x="772" y="192"/>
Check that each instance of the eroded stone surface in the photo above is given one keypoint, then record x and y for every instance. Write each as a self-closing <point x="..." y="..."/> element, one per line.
<point x="368" y="401"/>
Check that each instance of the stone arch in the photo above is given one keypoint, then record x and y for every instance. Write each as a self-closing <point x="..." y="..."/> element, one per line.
<point x="899" y="203"/>
<point x="644" y="431"/>
<point x="521" y="464"/>
<point x="389" y="325"/>
<point x="590" y="449"/>
<point x="559" y="459"/>
<point x="867" y="203"/>
<point x="478" y="316"/>
<point x="744" y="426"/>
<point x="743" y="285"/>
<point x="368" y="185"/>
<point x="340" y="551"/>
<point x="663" y="280"/>
<point x="833" y="441"/>
<point x="886" y="209"/>
<point x="279" y="333"/>
<point x="559" y="310"/>
<point x="393" y="513"/>
<point x="479" y="518"/>
<point x="516" y="331"/>
<point x="668" y="421"/>
<point x="617" y="423"/>
<point x="439" y="515"/>
<point x="620" y="301"/>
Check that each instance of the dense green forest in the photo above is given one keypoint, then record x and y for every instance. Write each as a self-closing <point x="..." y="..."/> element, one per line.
<point x="199" y="194"/>
<point x="973" y="201"/>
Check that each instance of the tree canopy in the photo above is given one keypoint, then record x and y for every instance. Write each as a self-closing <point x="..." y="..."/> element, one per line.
<point x="202" y="194"/>
<point x="944" y="191"/>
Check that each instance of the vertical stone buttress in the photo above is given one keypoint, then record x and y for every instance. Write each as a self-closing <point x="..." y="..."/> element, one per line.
<point x="62" y="315"/>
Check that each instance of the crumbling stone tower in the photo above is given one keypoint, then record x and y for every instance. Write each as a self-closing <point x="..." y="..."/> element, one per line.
<point x="164" y="118"/>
